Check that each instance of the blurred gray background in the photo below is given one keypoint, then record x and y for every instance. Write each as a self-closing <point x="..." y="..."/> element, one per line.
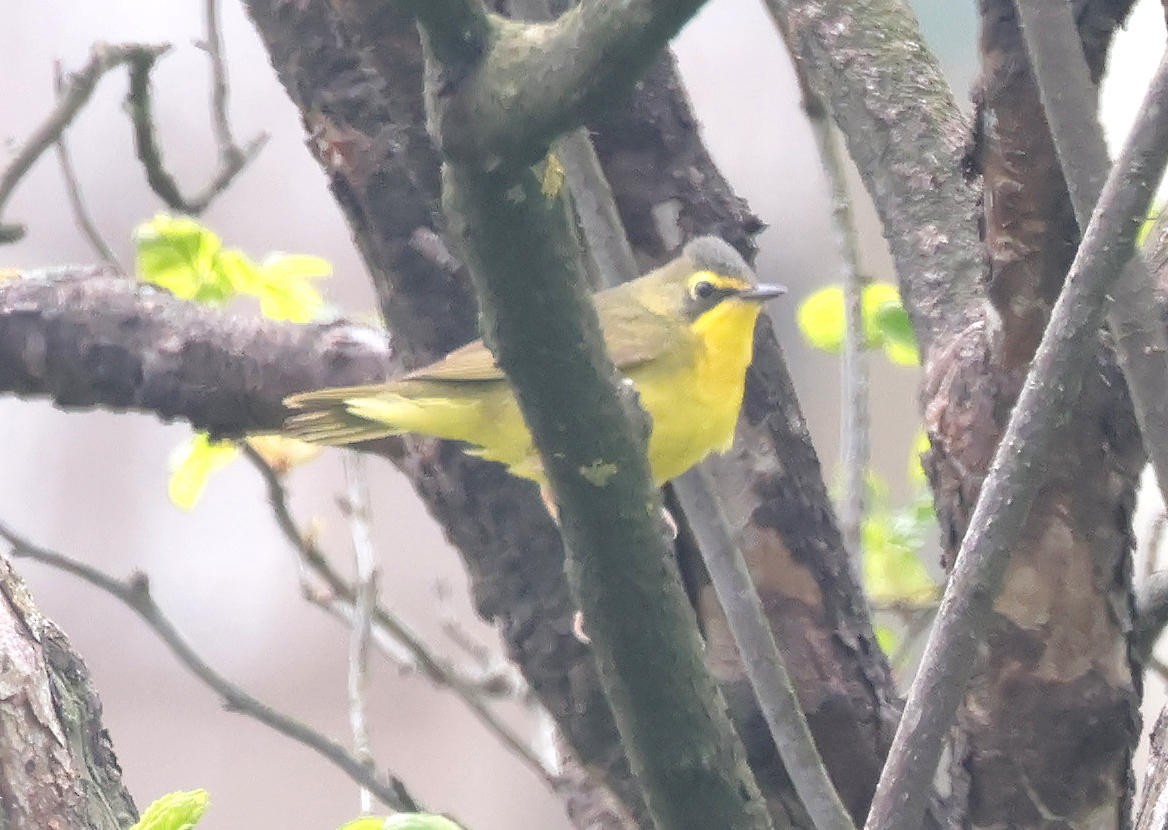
<point x="93" y="485"/>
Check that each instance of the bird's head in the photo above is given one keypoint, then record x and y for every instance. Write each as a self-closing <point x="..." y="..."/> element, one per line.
<point x="707" y="274"/>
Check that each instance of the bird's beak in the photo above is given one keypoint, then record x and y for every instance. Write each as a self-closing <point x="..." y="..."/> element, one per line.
<point x="764" y="291"/>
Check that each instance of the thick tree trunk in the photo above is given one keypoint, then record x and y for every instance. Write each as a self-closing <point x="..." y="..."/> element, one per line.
<point x="1045" y="735"/>
<point x="59" y="767"/>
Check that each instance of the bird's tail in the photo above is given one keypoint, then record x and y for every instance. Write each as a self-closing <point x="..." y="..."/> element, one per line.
<point x="328" y="416"/>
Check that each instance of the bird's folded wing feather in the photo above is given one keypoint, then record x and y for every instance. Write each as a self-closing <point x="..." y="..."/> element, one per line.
<point x="633" y="336"/>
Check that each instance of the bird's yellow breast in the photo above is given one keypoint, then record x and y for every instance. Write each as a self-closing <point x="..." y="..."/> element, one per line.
<point x="694" y="400"/>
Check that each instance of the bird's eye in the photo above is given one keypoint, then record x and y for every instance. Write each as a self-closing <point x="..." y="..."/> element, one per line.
<point x="703" y="290"/>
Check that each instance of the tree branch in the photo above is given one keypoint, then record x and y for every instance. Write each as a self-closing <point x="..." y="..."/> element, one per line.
<point x="1151" y="613"/>
<point x="73" y="189"/>
<point x="907" y="137"/>
<point x="523" y="93"/>
<point x="135" y="593"/>
<point x="1069" y="97"/>
<point x="764" y="663"/>
<point x="395" y="638"/>
<point x="60" y="769"/>
<point x="679" y="740"/>
<point x="76" y="91"/>
<point x="86" y="338"/>
<point x="1051" y="388"/>
<point x="231" y="163"/>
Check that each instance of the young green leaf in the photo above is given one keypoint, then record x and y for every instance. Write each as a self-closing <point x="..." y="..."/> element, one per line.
<point x="182" y="256"/>
<point x="895" y="333"/>
<point x="175" y="811"/>
<point x="821" y="319"/>
<point x="192" y="463"/>
<point x="285" y="290"/>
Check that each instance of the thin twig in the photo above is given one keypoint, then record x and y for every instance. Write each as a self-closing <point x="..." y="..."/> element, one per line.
<point x="140" y="105"/>
<point x="855" y="444"/>
<point x="365" y="587"/>
<point x="760" y="654"/>
<point x="1069" y="101"/>
<point x="73" y="189"/>
<point x="219" y="88"/>
<point x="1159" y="667"/>
<point x="135" y="593"/>
<point x="1151" y="612"/>
<point x="75" y="92"/>
<point x="1051" y="388"/>
<point x="388" y="629"/>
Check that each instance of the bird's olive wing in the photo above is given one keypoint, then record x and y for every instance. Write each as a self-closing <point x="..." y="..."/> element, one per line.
<point x="632" y="333"/>
<point x="472" y="362"/>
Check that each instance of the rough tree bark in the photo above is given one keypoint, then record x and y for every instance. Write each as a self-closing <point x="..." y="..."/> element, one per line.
<point x="1048" y="726"/>
<point x="59" y="768"/>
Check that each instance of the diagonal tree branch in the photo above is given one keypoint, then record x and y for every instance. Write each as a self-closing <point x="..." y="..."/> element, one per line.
<point x="522" y="93"/>
<point x="868" y="61"/>
<point x="87" y="338"/>
<point x="231" y="163"/>
<point x="75" y="92"/>
<point x="539" y="320"/>
<point x="1052" y="385"/>
<point x="135" y="593"/>
<point x="1068" y="97"/>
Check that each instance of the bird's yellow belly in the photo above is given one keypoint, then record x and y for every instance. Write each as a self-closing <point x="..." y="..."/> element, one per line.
<point x="691" y="419"/>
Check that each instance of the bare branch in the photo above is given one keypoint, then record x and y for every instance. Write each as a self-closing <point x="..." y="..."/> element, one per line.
<point x="77" y="89"/>
<point x="1052" y="386"/>
<point x="522" y="94"/>
<point x="1151" y="613"/>
<point x="854" y="426"/>
<point x="391" y="634"/>
<point x="135" y="593"/>
<point x="73" y="189"/>
<point x="1069" y="98"/>
<point x="365" y="589"/>
<point x="86" y="337"/>
<point x="907" y="137"/>
<point x="219" y="89"/>
<point x="764" y="664"/>
<point x="139" y="104"/>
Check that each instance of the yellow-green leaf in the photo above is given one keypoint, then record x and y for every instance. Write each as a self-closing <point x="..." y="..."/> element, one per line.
<point x="916" y="473"/>
<point x="887" y="639"/>
<point x="402" y="821"/>
<point x="175" y="811"/>
<point x="238" y="272"/>
<point x="192" y="463"/>
<point x="821" y="319"/>
<point x="1147" y="225"/>
<point x="180" y="255"/>
<point x="892" y="569"/>
<point x="890" y="326"/>
<point x="886" y="324"/>
<point x="284" y="288"/>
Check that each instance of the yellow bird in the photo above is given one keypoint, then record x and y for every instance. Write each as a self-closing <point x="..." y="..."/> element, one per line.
<point x="683" y="334"/>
